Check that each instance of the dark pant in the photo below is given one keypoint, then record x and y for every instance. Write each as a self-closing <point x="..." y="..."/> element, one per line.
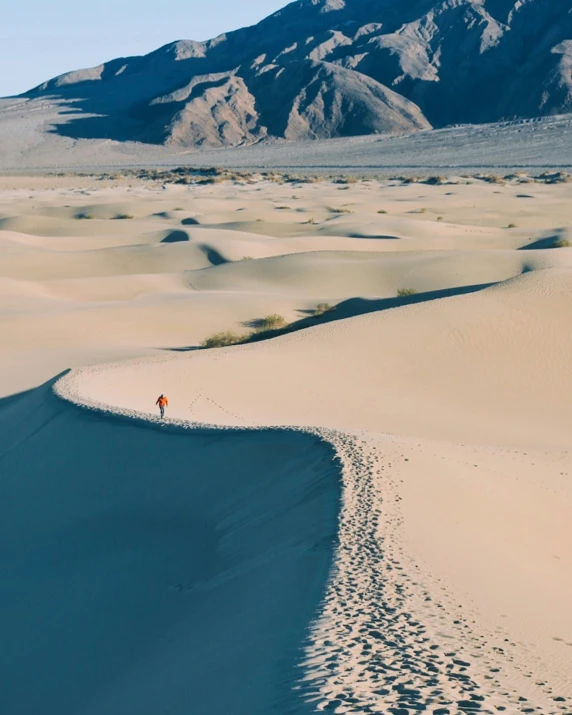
<point x="162" y="410"/>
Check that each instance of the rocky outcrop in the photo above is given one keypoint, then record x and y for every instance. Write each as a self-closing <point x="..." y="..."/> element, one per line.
<point x="328" y="68"/>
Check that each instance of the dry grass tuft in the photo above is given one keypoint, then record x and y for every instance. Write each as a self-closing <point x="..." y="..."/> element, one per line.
<point x="322" y="308"/>
<point x="223" y="340"/>
<point x="271" y="322"/>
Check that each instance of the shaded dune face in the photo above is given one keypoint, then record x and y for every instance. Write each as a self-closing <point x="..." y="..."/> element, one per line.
<point x="331" y="69"/>
<point x="145" y="569"/>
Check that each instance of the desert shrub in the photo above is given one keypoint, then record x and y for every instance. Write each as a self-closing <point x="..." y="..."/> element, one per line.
<point x="342" y="211"/>
<point x="511" y="225"/>
<point x="178" y="208"/>
<point x="406" y="292"/>
<point x="223" y="340"/>
<point x="311" y="220"/>
<point x="209" y="180"/>
<point x="283" y="208"/>
<point x="121" y="217"/>
<point x="247" y="258"/>
<point x="439" y="218"/>
<point x="382" y="211"/>
<point x="322" y="308"/>
<point x="562" y="243"/>
<point x="271" y="322"/>
<point x="83" y="216"/>
<point x="561" y="177"/>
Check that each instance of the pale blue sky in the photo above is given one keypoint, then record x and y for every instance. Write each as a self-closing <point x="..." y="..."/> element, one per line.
<point x="40" y="39"/>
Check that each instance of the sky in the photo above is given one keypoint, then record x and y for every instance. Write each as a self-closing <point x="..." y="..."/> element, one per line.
<point x="40" y="40"/>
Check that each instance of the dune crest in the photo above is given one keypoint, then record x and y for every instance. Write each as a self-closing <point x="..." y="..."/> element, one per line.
<point x="363" y="508"/>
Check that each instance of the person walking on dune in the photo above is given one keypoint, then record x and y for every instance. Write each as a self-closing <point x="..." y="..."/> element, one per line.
<point x="163" y="402"/>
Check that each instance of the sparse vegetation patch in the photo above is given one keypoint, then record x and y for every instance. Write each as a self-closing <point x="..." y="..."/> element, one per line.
<point x="223" y="340"/>
<point x="271" y="322"/>
<point x="322" y="308"/>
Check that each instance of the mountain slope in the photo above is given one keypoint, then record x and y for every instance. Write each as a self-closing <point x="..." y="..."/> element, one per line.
<point x="329" y="68"/>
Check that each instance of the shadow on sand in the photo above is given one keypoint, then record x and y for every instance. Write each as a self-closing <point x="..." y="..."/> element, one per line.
<point x="350" y="309"/>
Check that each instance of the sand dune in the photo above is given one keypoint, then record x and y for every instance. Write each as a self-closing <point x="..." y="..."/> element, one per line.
<point x="489" y="368"/>
<point x="202" y="569"/>
<point x="132" y="567"/>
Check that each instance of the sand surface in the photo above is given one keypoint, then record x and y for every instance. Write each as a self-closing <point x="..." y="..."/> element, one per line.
<point x="449" y="412"/>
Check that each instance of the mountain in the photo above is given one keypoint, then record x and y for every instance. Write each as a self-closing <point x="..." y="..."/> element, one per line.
<point x="330" y="68"/>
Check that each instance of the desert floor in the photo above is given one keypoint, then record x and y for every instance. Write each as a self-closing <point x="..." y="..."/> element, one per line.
<point x="408" y="535"/>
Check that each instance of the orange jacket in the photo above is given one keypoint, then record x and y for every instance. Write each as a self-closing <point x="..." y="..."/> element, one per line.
<point x="162" y="402"/>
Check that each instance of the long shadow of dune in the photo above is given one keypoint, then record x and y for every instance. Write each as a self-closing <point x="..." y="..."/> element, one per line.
<point x="117" y="571"/>
<point x="214" y="257"/>
<point x="543" y="243"/>
<point x="351" y="308"/>
<point x="373" y="238"/>
<point x="175" y="236"/>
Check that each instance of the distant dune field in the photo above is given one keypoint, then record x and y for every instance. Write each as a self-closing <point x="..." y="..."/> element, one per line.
<point x="361" y="504"/>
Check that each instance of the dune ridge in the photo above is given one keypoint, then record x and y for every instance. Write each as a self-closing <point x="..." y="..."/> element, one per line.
<point x="439" y="580"/>
<point x="391" y="633"/>
<point x="149" y="570"/>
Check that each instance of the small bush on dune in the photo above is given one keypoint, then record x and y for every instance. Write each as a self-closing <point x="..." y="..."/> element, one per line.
<point x="346" y="180"/>
<point x="121" y="217"/>
<point x="342" y="211"/>
<point x="562" y="243"/>
<point x="406" y="292"/>
<point x="382" y="211"/>
<point x="511" y="225"/>
<point x="322" y="308"/>
<point x="83" y="216"/>
<point x="493" y="179"/>
<point x="271" y="322"/>
<point x="439" y="218"/>
<point x="223" y="340"/>
<point x="206" y="180"/>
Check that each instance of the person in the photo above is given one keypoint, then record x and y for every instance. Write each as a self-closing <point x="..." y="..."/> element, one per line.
<point x="163" y="402"/>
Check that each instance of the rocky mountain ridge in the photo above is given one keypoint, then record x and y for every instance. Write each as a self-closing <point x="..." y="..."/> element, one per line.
<point x="330" y="68"/>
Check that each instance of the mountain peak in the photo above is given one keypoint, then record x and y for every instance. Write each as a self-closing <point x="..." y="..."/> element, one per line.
<point x="325" y="68"/>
